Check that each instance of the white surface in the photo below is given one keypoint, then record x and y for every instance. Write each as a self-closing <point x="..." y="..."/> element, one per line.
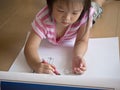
<point x="102" y="58"/>
<point x="60" y="80"/>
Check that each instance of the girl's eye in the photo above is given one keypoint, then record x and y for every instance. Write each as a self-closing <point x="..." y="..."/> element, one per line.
<point x="60" y="10"/>
<point x="75" y="13"/>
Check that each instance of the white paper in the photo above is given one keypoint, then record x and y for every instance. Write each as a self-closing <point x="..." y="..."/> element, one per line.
<point x="102" y="58"/>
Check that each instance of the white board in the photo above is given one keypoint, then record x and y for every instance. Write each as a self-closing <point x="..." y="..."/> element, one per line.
<point x="102" y="60"/>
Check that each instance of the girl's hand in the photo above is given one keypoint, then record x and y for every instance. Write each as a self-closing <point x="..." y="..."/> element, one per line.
<point x="79" y="65"/>
<point x="45" y="68"/>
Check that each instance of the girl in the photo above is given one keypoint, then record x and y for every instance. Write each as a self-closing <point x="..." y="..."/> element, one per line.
<point x="58" y="22"/>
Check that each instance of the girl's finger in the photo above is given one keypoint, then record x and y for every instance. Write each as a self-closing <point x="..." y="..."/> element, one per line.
<point x="45" y="71"/>
<point x="79" y="70"/>
<point x="46" y="66"/>
<point x="83" y="68"/>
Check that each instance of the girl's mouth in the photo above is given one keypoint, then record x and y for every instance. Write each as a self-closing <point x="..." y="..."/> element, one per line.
<point x="65" y="23"/>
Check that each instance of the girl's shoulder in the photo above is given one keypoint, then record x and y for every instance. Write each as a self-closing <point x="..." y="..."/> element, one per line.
<point x="91" y="12"/>
<point x="44" y="11"/>
<point x="43" y="16"/>
<point x="84" y="19"/>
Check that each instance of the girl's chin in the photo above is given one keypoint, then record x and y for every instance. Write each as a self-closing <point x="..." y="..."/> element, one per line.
<point x="65" y="24"/>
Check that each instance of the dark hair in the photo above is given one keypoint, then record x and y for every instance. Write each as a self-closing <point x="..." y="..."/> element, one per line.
<point x="86" y="9"/>
<point x="87" y="5"/>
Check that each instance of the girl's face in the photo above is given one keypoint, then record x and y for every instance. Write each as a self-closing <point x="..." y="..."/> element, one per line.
<point x="66" y="14"/>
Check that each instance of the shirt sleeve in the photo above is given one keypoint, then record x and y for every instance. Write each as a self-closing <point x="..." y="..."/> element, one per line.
<point x="84" y="19"/>
<point x="39" y="29"/>
<point x="38" y="25"/>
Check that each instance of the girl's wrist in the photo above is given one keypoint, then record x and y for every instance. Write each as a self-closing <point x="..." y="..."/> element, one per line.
<point x="78" y="56"/>
<point x="36" y="67"/>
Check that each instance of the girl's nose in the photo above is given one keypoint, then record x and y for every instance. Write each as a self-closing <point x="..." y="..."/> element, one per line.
<point x="67" y="17"/>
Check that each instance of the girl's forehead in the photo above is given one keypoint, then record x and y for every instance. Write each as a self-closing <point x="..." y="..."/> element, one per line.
<point x="72" y="4"/>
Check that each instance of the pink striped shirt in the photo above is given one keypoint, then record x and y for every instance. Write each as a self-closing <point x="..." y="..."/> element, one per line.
<point x="44" y="27"/>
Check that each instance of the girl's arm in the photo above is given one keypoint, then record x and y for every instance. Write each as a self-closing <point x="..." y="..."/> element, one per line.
<point x="81" y="43"/>
<point x="80" y="48"/>
<point x="31" y="54"/>
<point x="30" y="50"/>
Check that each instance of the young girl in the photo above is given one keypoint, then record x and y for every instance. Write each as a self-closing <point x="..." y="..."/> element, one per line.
<point x="58" y="22"/>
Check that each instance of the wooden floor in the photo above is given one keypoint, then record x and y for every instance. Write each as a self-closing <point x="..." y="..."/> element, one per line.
<point x="16" y="17"/>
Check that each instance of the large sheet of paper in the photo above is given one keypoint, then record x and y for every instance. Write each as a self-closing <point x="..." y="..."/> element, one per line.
<point x="102" y="60"/>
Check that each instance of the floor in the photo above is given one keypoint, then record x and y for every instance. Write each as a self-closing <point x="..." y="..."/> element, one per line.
<point x="16" y="17"/>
